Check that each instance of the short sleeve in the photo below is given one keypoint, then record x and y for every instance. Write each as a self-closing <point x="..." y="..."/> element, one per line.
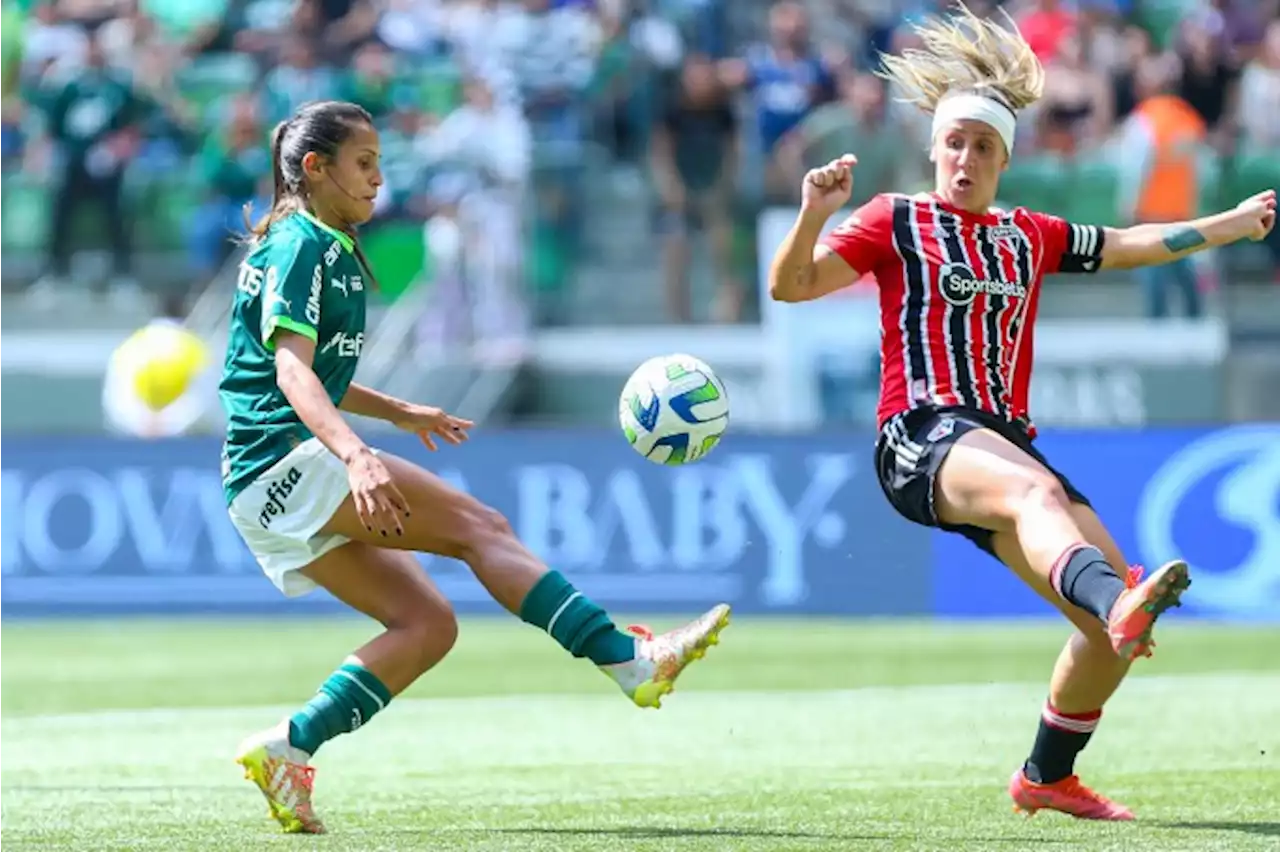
<point x="1069" y="248"/>
<point x="865" y="239"/>
<point x="293" y="283"/>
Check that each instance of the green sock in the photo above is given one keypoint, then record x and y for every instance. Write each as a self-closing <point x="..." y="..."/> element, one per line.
<point x="580" y="626"/>
<point x="349" y="698"/>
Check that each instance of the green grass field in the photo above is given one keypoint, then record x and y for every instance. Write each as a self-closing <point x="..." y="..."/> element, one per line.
<point x="790" y="735"/>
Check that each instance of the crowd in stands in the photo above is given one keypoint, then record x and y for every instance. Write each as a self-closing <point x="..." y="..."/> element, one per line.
<point x="708" y="109"/>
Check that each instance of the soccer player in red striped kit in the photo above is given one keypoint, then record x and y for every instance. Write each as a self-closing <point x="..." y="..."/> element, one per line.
<point x="958" y="282"/>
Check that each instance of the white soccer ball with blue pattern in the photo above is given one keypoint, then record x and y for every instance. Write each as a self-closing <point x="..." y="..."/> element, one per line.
<point x="673" y="409"/>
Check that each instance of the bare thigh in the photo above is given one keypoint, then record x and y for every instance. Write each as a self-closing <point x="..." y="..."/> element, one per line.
<point x="1010" y="552"/>
<point x="441" y="519"/>
<point x="386" y="585"/>
<point x="983" y="479"/>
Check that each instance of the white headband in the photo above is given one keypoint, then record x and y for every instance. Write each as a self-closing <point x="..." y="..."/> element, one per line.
<point x="977" y="108"/>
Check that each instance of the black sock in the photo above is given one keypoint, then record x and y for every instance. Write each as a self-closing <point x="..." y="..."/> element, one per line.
<point x="1085" y="578"/>
<point x="1061" y="737"/>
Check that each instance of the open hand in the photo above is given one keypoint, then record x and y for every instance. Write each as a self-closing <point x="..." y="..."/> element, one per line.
<point x="378" y="501"/>
<point x="428" y="423"/>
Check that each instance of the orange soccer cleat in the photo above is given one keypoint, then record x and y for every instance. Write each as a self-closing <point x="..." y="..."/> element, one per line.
<point x="1135" y="612"/>
<point x="1068" y="796"/>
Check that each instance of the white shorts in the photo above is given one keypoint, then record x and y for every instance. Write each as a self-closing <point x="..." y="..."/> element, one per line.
<point x="280" y="513"/>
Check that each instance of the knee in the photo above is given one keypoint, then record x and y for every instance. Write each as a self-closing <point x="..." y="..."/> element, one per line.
<point x="481" y="527"/>
<point x="1038" y="491"/>
<point x="441" y="634"/>
<point x="432" y="628"/>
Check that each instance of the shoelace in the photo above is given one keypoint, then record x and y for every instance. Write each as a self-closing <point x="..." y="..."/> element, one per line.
<point x="299" y="774"/>
<point x="1133" y="577"/>
<point x="1072" y="787"/>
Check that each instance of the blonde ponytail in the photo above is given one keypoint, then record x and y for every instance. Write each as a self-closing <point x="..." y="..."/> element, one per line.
<point x="965" y="53"/>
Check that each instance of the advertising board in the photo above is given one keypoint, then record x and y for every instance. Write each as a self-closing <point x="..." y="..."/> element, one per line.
<point x="104" y="525"/>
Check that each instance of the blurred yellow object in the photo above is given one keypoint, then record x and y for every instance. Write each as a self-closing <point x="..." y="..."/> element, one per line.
<point x="161" y="361"/>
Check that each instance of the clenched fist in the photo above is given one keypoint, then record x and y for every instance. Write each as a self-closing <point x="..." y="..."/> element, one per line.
<point x="825" y="190"/>
<point x="1258" y="215"/>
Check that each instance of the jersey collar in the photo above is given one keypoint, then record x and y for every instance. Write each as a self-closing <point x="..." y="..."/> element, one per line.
<point x="344" y="239"/>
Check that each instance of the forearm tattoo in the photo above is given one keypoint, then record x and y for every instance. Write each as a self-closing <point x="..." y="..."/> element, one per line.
<point x="1180" y="238"/>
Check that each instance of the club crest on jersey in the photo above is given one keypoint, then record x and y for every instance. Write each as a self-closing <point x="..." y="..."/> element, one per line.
<point x="1006" y="234"/>
<point x="959" y="284"/>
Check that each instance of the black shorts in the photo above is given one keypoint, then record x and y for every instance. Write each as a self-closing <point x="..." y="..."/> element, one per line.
<point x="912" y="446"/>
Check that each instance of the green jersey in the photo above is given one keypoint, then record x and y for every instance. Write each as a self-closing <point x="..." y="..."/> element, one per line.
<point x="304" y="277"/>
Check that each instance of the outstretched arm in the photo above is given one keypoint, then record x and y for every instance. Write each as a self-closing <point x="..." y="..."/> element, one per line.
<point x="424" y="420"/>
<point x="1150" y="245"/>
<point x="368" y="402"/>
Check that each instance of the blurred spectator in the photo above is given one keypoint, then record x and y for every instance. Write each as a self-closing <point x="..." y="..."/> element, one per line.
<point x="93" y="115"/>
<point x="414" y="27"/>
<point x="370" y="80"/>
<point x="1044" y="25"/>
<point x="635" y="47"/>
<point x="694" y="158"/>
<point x="261" y="28"/>
<point x="864" y="27"/>
<point x="545" y="57"/>
<point x="1208" y="81"/>
<point x="89" y="13"/>
<point x="52" y="43"/>
<point x="403" y="191"/>
<point x="482" y="31"/>
<point x="860" y="123"/>
<point x="1260" y="90"/>
<point x="786" y="79"/>
<point x="298" y="78"/>
<point x="1260" y="118"/>
<point x="235" y="168"/>
<point x="1163" y="144"/>
<point x="345" y="26"/>
<point x="1135" y="47"/>
<point x="176" y="26"/>
<point x="1077" y="109"/>
<point x="1235" y="26"/>
<point x="484" y="147"/>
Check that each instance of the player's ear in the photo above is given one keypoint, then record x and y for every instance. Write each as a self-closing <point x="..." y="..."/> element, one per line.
<point x="312" y="165"/>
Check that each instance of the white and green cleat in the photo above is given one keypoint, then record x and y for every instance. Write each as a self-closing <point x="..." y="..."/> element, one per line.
<point x="282" y="774"/>
<point x="660" y="659"/>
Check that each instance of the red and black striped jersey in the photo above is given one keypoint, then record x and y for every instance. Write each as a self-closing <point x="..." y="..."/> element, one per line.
<point x="958" y="296"/>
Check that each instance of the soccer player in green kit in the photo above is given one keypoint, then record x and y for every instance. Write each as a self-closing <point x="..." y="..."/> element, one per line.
<point x="319" y="507"/>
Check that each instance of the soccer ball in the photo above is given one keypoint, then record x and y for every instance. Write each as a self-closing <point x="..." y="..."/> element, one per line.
<point x="159" y="362"/>
<point x="673" y="409"/>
